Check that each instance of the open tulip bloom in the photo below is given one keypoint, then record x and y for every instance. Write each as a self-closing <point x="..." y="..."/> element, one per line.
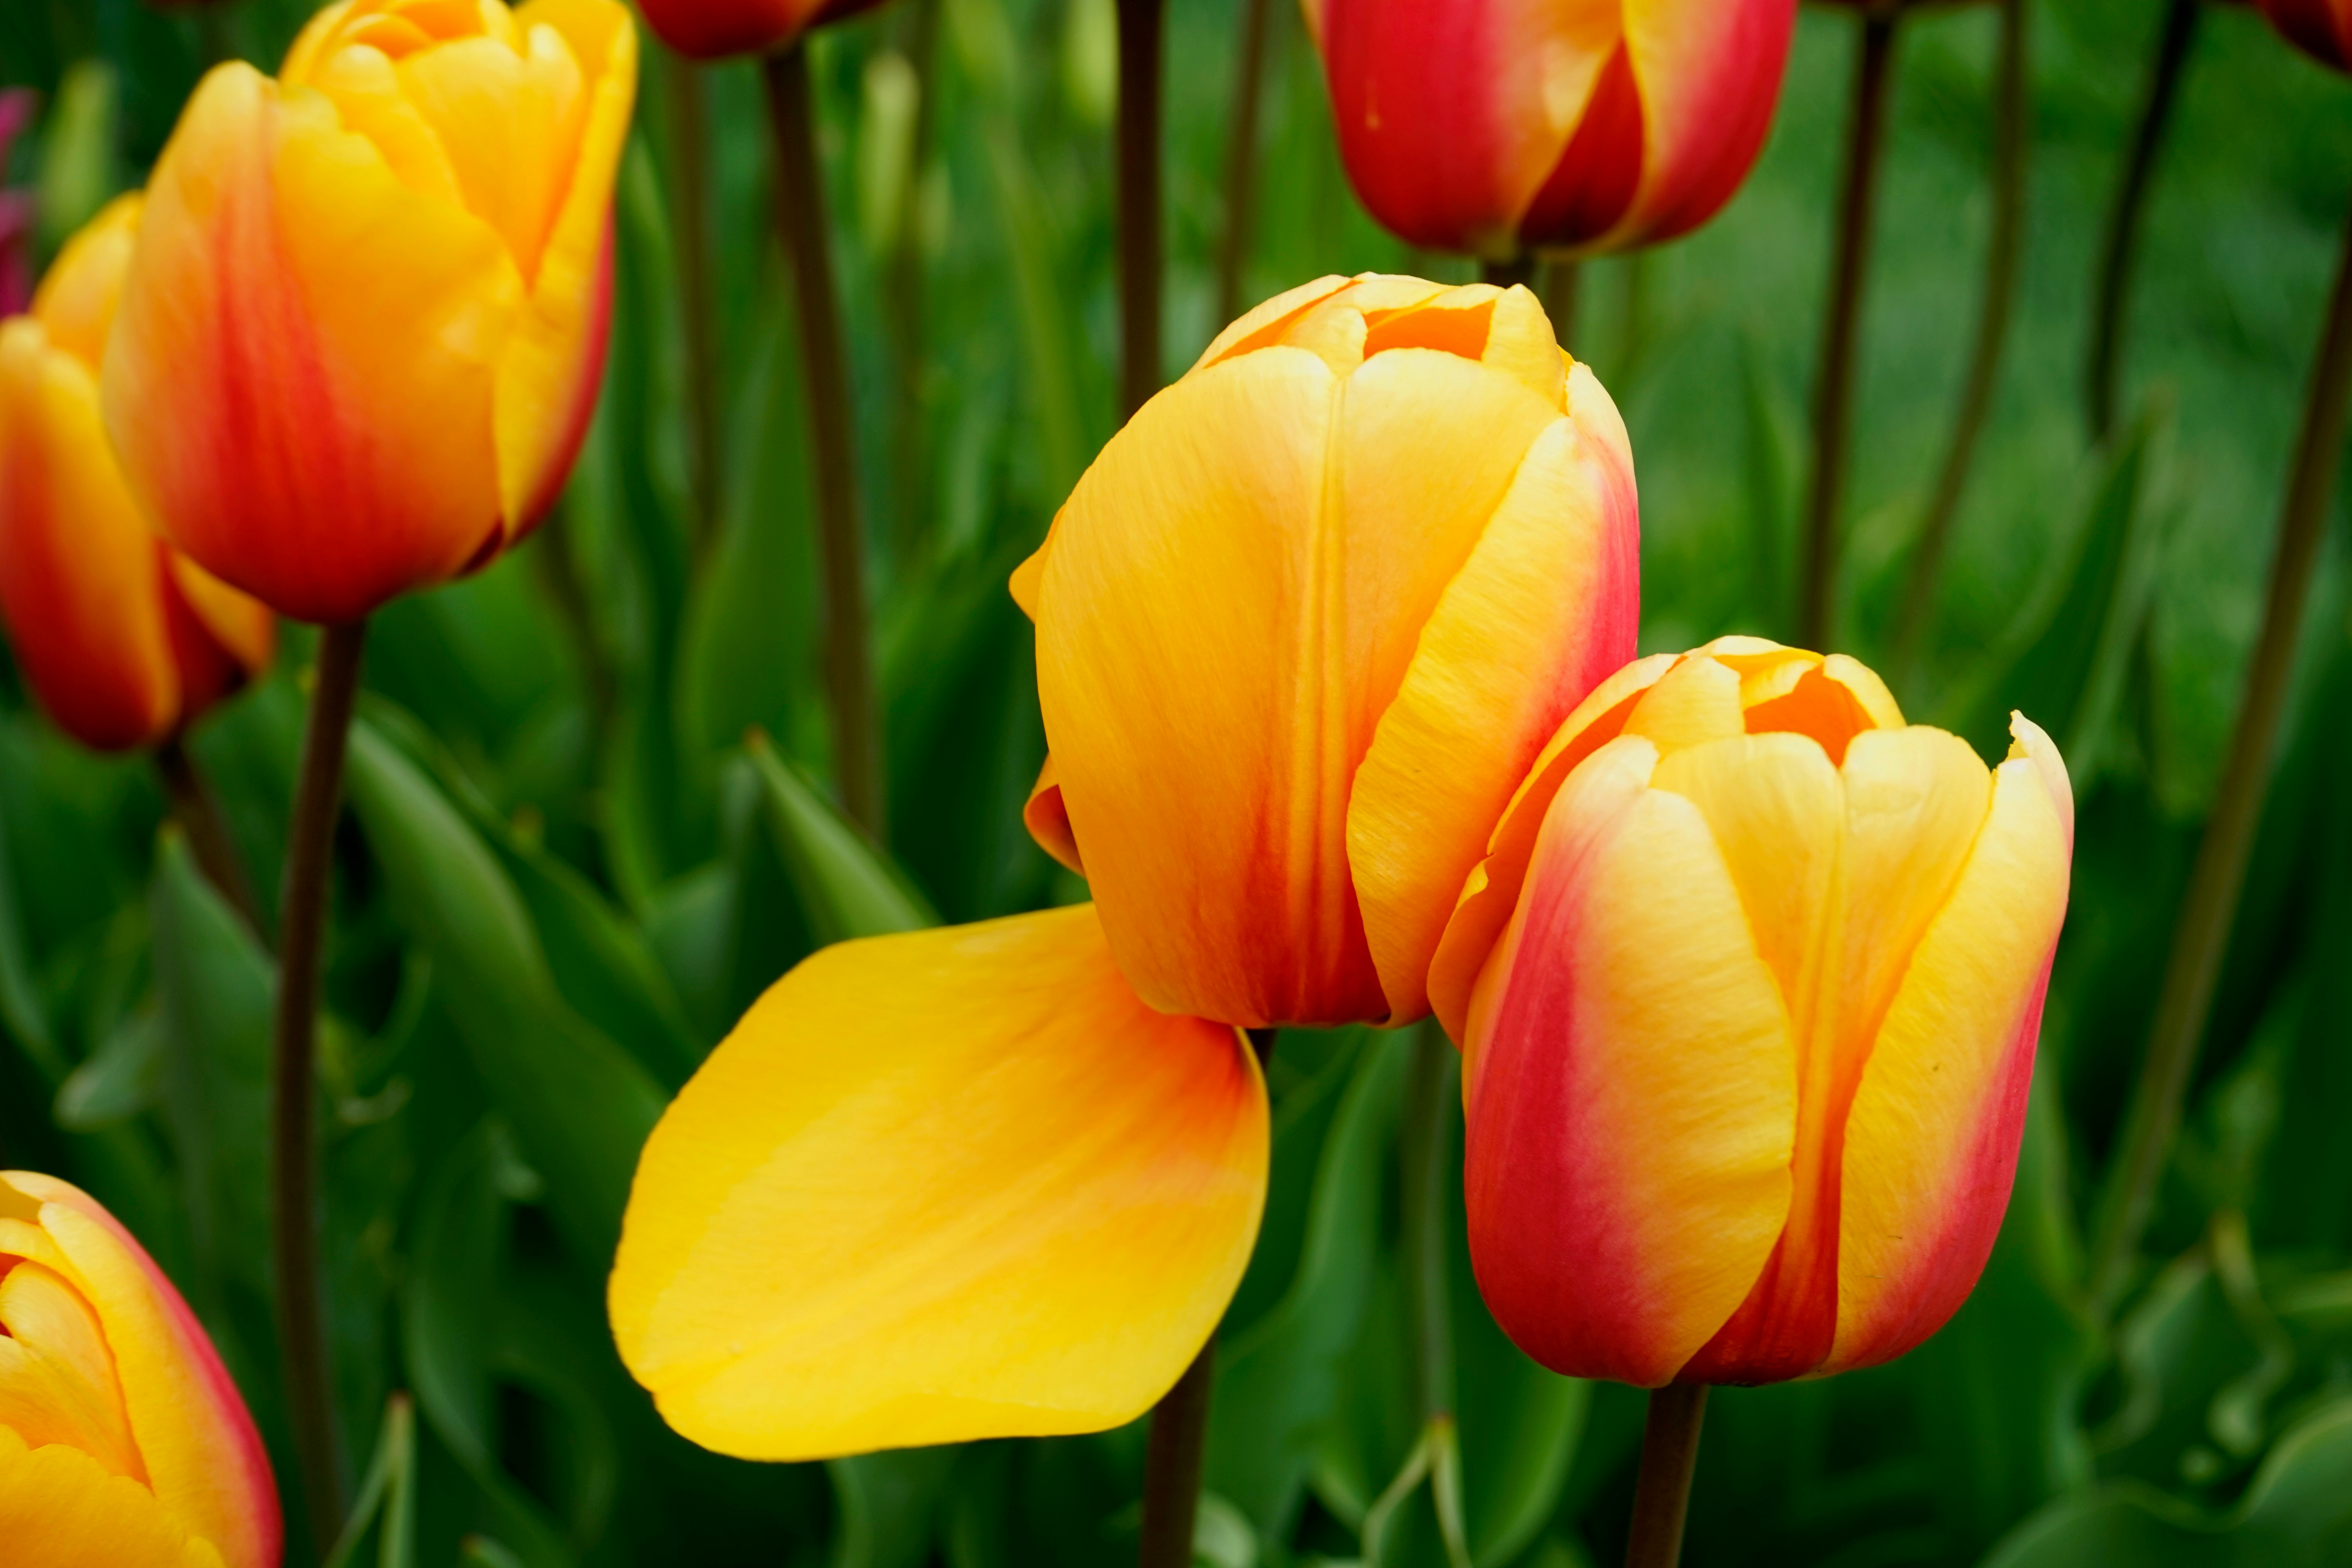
<point x="1573" y="126"/>
<point x="124" y="640"/>
<point x="1302" y="629"/>
<point x="122" y="1440"/>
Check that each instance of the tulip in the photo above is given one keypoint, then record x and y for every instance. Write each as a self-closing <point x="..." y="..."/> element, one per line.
<point x="1303" y="626"/>
<point x="125" y="640"/>
<point x="2320" y="29"/>
<point x="1301" y="629"/>
<point x="1474" y="126"/>
<point x="122" y="1438"/>
<point x="713" y="30"/>
<point x="1748" y="989"/>
<point x="365" y="320"/>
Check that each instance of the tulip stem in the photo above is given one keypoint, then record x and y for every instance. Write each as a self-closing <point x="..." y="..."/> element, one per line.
<point x="198" y="815"/>
<point x="1833" y="388"/>
<point x="2201" y="936"/>
<point x="1669" y="1457"/>
<point x="903" y="287"/>
<point x="1504" y="274"/>
<point x="1241" y="160"/>
<point x="689" y="222"/>
<point x="1179" y="1438"/>
<point x="1421" y="1169"/>
<point x="2115" y="255"/>
<point x="801" y="221"/>
<point x="1556" y="284"/>
<point x="301" y="932"/>
<point x="1142" y="26"/>
<point x="2010" y="112"/>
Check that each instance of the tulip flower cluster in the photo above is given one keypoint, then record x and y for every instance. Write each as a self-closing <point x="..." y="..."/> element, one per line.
<point x="122" y="1440"/>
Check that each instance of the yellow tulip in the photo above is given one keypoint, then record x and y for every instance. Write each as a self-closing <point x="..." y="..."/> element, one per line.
<point x="1300" y="629"/>
<point x="365" y="320"/>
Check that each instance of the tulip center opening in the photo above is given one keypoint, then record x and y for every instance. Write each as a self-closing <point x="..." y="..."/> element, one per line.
<point x="1816" y="706"/>
<point x="1461" y="329"/>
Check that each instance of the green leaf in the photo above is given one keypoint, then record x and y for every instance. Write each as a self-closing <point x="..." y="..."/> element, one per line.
<point x="117" y="1081"/>
<point x="889" y="1503"/>
<point x="387" y="1495"/>
<point x="1278" y="1379"/>
<point x="847" y="888"/>
<point x="2296" y="1513"/>
<point x="581" y="1105"/>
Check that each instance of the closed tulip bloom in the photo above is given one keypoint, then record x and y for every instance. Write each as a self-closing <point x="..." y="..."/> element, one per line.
<point x="124" y="640"/>
<point x="1301" y="629"/>
<point x="713" y="30"/>
<point x="365" y="320"/>
<point x="122" y="1438"/>
<point x="1748" y="988"/>
<point x="2320" y="29"/>
<point x="1580" y="126"/>
<point x="1305" y="623"/>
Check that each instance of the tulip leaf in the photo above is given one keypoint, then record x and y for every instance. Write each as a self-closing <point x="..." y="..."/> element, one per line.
<point x="888" y="1504"/>
<point x="847" y="888"/>
<point x="22" y="1014"/>
<point x="1278" y="1379"/>
<point x="117" y="1081"/>
<point x="2295" y="1513"/>
<point x="387" y="1495"/>
<point x="580" y="1104"/>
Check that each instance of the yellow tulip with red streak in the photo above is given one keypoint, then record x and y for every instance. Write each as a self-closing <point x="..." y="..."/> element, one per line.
<point x="122" y="1440"/>
<point x="365" y="320"/>
<point x="1749" y="987"/>
<point x="1301" y="630"/>
<point x="124" y="640"/>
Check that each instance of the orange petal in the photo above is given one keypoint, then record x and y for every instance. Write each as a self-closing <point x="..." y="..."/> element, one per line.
<point x="61" y="1508"/>
<point x="945" y="1186"/>
<point x="1048" y="820"/>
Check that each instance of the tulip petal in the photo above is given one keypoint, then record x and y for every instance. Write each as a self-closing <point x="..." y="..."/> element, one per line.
<point x="1554" y="585"/>
<point x="1634" y="1106"/>
<point x="1263" y="326"/>
<point x="951" y="1184"/>
<point x="1491" y="891"/>
<point x="80" y="569"/>
<point x="76" y="299"/>
<point x="1048" y="820"/>
<point x="59" y="1508"/>
<point x="202" y="1457"/>
<point x="1695" y="701"/>
<point x="554" y="365"/>
<point x="301" y="377"/>
<point x="1708" y="73"/>
<point x="1931" y="1142"/>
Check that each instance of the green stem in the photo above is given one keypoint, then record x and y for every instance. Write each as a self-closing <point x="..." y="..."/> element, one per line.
<point x="689" y="222"/>
<point x="1142" y="26"/>
<point x="1180" y="1436"/>
<point x="294" y="1155"/>
<point x="1834" y="390"/>
<point x="1669" y="1458"/>
<point x="903" y="285"/>
<point x="1421" y="1166"/>
<point x="1504" y="274"/>
<point x="2010" y="112"/>
<point x="800" y="220"/>
<point x="1241" y="159"/>
<point x="2115" y="255"/>
<point x="1556" y="284"/>
<point x="2200" y="938"/>
<point x="198" y="815"/>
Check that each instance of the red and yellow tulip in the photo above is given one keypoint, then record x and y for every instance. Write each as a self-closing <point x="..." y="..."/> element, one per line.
<point x="1301" y="629"/>
<point x="365" y="320"/>
<point x="124" y="640"/>
<point x="1579" y="127"/>
<point x="1749" y="987"/>
<point x="2320" y="29"/>
<point x="122" y="1438"/>
<point x="713" y="30"/>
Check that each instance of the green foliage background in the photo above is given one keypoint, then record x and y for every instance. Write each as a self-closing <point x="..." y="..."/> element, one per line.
<point x="565" y="869"/>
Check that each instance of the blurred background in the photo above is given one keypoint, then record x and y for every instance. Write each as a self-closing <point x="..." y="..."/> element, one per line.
<point x="567" y="869"/>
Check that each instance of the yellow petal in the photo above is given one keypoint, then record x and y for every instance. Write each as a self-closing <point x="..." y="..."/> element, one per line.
<point x="61" y="1508"/>
<point x="1244" y="334"/>
<point x="1695" y="701"/>
<point x="1931" y="1142"/>
<point x="75" y="302"/>
<point x="953" y="1185"/>
<point x="57" y="1380"/>
<point x="1636" y="1101"/>
<point x="1048" y="820"/>
<point x="1546" y="607"/>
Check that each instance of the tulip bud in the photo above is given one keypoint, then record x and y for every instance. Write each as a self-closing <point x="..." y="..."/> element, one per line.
<point x="1302" y="627"/>
<point x="124" y="640"/>
<point x="365" y="320"/>
<point x="1473" y="126"/>
<point x="713" y="30"/>
<point x="122" y="1438"/>
<point x="2320" y="29"/>
<point x="1749" y="989"/>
